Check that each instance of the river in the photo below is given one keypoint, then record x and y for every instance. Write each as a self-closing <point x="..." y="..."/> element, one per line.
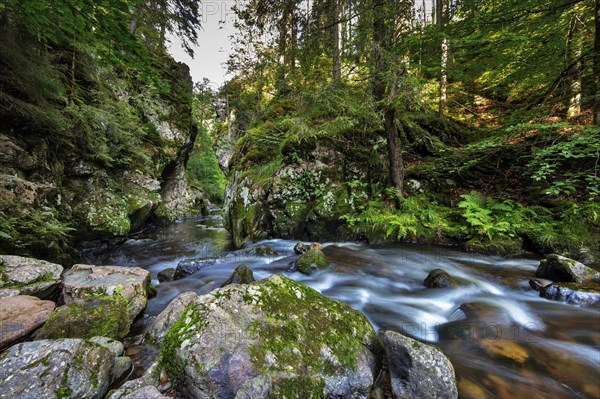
<point x="503" y="340"/>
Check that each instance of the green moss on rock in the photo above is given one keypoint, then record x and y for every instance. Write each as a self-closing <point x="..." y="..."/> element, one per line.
<point x="104" y="316"/>
<point x="311" y="260"/>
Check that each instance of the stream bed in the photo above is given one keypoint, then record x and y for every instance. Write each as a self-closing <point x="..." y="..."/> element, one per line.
<point x="503" y="340"/>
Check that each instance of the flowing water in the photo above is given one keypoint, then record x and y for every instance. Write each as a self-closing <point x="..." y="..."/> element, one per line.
<point x="503" y="340"/>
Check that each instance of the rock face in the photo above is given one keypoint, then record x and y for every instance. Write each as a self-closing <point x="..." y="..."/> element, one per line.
<point x="241" y="275"/>
<point x="561" y="269"/>
<point x="131" y="283"/>
<point x="105" y="316"/>
<point x="274" y="338"/>
<point x="144" y="387"/>
<point x="190" y="266"/>
<point x="20" y="315"/>
<point x="418" y="370"/>
<point x="312" y="260"/>
<point x="439" y="278"/>
<point x="573" y="293"/>
<point x="29" y="276"/>
<point x="64" y="368"/>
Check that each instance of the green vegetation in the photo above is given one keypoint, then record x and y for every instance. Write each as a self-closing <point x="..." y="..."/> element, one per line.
<point x="203" y="168"/>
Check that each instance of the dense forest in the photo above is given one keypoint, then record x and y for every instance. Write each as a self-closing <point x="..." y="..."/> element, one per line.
<point x="414" y="184"/>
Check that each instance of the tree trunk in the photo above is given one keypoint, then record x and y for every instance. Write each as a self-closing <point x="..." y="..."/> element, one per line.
<point x="379" y="88"/>
<point x="597" y="64"/>
<point x="443" y="78"/>
<point x="574" y="53"/>
<point x="337" y="63"/>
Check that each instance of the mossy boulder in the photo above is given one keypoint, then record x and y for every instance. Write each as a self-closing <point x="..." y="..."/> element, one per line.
<point x="241" y="275"/>
<point x="104" y="316"/>
<point x="29" y="276"/>
<point x="311" y="260"/>
<point x="270" y="338"/>
<point x="56" y="369"/>
<point x="562" y="269"/>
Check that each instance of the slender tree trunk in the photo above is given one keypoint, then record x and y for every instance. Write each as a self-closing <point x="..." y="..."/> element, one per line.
<point x="596" y="59"/>
<point x="379" y="88"/>
<point x="337" y="63"/>
<point x="441" y="10"/>
<point x="574" y="53"/>
<point x="443" y="78"/>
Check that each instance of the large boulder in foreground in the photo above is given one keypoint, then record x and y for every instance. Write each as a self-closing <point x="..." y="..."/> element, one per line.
<point x="418" y="370"/>
<point x="169" y="316"/>
<point x="20" y="315"/>
<point x="131" y="283"/>
<point x="270" y="338"/>
<point x="29" y="276"/>
<point x="562" y="269"/>
<point x="56" y="369"/>
<point x="105" y="316"/>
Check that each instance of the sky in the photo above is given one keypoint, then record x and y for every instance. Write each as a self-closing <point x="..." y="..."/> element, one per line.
<point x="213" y="42"/>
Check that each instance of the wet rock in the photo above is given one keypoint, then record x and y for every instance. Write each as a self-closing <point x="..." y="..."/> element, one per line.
<point x="562" y="269"/>
<point x="241" y="275"/>
<point x="166" y="275"/>
<point x="29" y="276"/>
<point x="418" y="370"/>
<point x="439" y="278"/>
<point x="261" y="250"/>
<point x="147" y="392"/>
<point x="131" y="283"/>
<point x="572" y="293"/>
<point x="169" y="316"/>
<point x="310" y="261"/>
<point x="190" y="266"/>
<point x="105" y="316"/>
<point x="49" y="369"/>
<point x="115" y="347"/>
<point x="21" y="315"/>
<point x="271" y="337"/>
<point x="536" y="285"/>
<point x="505" y="348"/>
<point x="121" y="368"/>
<point x="300" y="248"/>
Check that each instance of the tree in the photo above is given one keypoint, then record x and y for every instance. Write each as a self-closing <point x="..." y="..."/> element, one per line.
<point x="596" y="61"/>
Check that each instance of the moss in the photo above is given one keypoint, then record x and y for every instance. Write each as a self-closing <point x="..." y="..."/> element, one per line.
<point x="300" y="323"/>
<point x="163" y="212"/>
<point x="188" y="323"/>
<point x="105" y="316"/>
<point x="44" y="278"/>
<point x="303" y="387"/>
<point x="111" y="218"/>
<point x="310" y="260"/>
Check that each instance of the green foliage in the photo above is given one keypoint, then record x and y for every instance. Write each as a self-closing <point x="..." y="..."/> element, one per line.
<point x="37" y="232"/>
<point x="203" y="168"/>
<point x="570" y="164"/>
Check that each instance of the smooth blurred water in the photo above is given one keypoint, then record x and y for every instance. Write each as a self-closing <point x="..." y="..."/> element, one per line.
<point x="503" y="340"/>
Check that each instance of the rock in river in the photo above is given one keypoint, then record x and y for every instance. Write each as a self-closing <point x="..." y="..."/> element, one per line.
<point x="53" y="369"/>
<point x="241" y="275"/>
<point x="572" y="293"/>
<point x="131" y="283"/>
<point x="418" y="370"/>
<point x="562" y="269"/>
<point x="29" y="276"/>
<point x="311" y="260"/>
<point x="439" y="278"/>
<point x="20" y="315"/>
<point x="191" y="266"/>
<point x="273" y="337"/>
